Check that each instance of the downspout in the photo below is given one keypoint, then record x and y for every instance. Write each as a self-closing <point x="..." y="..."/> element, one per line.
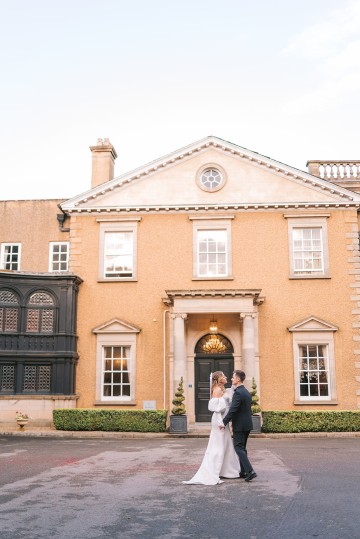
<point x="164" y="358"/>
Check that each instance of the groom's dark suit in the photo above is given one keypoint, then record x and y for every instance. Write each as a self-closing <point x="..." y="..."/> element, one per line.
<point x="240" y="416"/>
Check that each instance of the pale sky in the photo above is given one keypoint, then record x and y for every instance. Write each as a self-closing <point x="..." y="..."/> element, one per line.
<point x="278" y="77"/>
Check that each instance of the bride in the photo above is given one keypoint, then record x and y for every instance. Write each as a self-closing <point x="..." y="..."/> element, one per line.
<point x="220" y="459"/>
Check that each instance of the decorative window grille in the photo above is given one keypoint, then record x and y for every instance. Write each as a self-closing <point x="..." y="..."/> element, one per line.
<point x="10" y="256"/>
<point x="37" y="378"/>
<point x="116" y="374"/>
<point x="119" y="254"/>
<point x="9" y="311"/>
<point x="59" y="256"/>
<point x="7" y="378"/>
<point x="308" y="251"/>
<point x="41" y="317"/>
<point x="313" y="370"/>
<point x="211" y="179"/>
<point x="212" y="253"/>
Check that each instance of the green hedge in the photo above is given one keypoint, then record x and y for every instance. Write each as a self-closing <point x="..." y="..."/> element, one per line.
<point x="110" y="420"/>
<point x="314" y="421"/>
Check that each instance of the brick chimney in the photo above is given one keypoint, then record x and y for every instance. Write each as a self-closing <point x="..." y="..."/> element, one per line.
<point x="103" y="158"/>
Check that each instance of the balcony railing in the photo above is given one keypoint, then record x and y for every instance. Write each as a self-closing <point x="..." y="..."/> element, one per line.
<point x="335" y="170"/>
<point x="20" y="342"/>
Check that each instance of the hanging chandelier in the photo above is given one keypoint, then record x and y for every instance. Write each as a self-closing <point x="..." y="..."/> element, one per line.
<point x="213" y="345"/>
<point x="213" y="326"/>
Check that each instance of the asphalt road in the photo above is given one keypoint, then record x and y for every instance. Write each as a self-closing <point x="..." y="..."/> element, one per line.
<point x="92" y="489"/>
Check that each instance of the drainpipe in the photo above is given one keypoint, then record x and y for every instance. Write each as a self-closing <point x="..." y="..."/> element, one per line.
<point x="164" y="359"/>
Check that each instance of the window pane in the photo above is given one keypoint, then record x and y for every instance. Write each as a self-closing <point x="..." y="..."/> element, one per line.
<point x="313" y="372"/>
<point x="10" y="257"/>
<point x="307" y="250"/>
<point x="314" y="390"/>
<point x="126" y="391"/>
<point x="119" y="258"/>
<point x="324" y="390"/>
<point x="212" y="253"/>
<point x="115" y="373"/>
<point x="117" y="391"/>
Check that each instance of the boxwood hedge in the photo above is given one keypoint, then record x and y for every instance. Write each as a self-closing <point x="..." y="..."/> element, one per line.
<point x="311" y="421"/>
<point x="110" y="420"/>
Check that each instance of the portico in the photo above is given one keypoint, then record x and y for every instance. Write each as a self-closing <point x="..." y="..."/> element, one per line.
<point x="236" y="311"/>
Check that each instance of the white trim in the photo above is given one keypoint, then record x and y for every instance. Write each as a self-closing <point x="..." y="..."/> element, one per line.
<point x="121" y="339"/>
<point x="51" y="255"/>
<point x="208" y="225"/>
<point x="213" y="166"/>
<point x="117" y="226"/>
<point x="201" y="145"/>
<point x="324" y="338"/>
<point x="310" y="222"/>
<point x="239" y="206"/>
<point x="2" y="255"/>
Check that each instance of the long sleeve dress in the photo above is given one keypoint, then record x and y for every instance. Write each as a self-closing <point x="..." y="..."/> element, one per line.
<point x="220" y="459"/>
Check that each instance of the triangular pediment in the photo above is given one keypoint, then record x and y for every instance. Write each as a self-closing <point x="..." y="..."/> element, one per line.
<point x="313" y="324"/>
<point x="251" y="180"/>
<point x="116" y="326"/>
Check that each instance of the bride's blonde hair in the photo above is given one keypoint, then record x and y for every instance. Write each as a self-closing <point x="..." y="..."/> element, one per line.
<point x="216" y="380"/>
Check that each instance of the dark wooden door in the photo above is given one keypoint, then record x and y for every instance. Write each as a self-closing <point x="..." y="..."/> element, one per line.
<point x="204" y="365"/>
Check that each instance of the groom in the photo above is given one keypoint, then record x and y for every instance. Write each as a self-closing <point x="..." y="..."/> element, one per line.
<point x="240" y="416"/>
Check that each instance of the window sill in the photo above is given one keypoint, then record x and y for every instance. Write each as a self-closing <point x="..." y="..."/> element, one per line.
<point x="319" y="402"/>
<point x="213" y="278"/>
<point x="114" y="403"/>
<point x="297" y="277"/>
<point x="123" y="280"/>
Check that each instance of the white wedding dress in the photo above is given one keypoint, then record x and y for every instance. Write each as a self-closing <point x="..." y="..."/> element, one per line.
<point x="220" y="459"/>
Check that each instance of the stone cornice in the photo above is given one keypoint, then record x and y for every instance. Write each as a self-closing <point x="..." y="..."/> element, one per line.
<point x="221" y="293"/>
<point x="183" y="208"/>
<point x="188" y="151"/>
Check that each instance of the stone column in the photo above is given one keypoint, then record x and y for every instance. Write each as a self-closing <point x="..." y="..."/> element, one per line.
<point x="248" y="345"/>
<point x="179" y="348"/>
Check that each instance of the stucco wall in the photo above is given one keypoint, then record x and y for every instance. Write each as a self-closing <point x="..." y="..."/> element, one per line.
<point x="32" y="223"/>
<point x="260" y="260"/>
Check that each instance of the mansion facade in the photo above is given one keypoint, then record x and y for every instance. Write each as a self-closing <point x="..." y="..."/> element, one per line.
<point x="213" y="257"/>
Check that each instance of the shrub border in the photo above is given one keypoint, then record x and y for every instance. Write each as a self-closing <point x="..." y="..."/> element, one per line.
<point x="311" y="421"/>
<point x="83" y="419"/>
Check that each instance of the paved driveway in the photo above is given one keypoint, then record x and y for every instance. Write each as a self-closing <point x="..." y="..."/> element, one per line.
<point x="92" y="489"/>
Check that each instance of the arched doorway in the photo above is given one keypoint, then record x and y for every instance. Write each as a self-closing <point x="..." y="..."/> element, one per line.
<point x="213" y="352"/>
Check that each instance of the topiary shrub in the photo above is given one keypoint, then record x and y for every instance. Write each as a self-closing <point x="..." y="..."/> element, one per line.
<point x="178" y="401"/>
<point x="110" y="420"/>
<point x="255" y="408"/>
<point x="311" y="421"/>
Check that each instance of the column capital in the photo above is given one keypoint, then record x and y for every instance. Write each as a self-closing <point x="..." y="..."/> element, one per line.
<point x="178" y="315"/>
<point x="250" y="315"/>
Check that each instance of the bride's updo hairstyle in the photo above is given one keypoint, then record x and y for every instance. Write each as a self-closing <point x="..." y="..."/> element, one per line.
<point x="216" y="379"/>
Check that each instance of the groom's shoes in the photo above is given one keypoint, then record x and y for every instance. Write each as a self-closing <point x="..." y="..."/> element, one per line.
<point x="243" y="475"/>
<point x="250" y="476"/>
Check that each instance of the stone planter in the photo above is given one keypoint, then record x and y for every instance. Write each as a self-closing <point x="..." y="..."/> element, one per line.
<point x="256" y="420"/>
<point x="178" y="424"/>
<point x="22" y="423"/>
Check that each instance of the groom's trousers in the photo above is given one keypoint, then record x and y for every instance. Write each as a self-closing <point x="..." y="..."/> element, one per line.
<point x="239" y="441"/>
